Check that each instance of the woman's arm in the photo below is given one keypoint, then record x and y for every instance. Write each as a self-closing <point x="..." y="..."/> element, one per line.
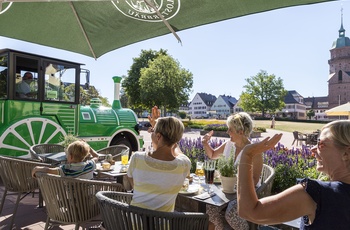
<point x="287" y="205"/>
<point x="212" y="153"/>
<point x="257" y="168"/>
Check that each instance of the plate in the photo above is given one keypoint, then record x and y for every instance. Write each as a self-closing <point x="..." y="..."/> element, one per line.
<point x="104" y="170"/>
<point x="190" y="190"/>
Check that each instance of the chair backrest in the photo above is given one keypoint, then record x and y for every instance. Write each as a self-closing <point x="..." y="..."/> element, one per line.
<point x="267" y="177"/>
<point x="119" y="215"/>
<point x="38" y="149"/>
<point x="114" y="150"/>
<point x="295" y="135"/>
<point x="72" y="200"/>
<point x="16" y="174"/>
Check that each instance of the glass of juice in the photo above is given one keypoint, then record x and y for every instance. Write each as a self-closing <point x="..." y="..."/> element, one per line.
<point x="125" y="159"/>
<point x="199" y="168"/>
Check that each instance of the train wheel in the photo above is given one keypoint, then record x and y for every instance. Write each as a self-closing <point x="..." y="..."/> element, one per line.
<point x="20" y="136"/>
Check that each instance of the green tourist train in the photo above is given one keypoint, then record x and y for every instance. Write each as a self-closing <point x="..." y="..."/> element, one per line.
<point x="39" y="103"/>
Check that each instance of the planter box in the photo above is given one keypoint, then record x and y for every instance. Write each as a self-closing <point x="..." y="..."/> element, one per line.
<point x="216" y="133"/>
<point x="254" y="134"/>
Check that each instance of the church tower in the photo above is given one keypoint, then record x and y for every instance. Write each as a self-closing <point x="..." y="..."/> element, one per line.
<point x="339" y="70"/>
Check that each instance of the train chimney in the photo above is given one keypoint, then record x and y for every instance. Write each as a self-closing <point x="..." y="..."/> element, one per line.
<point x="116" y="103"/>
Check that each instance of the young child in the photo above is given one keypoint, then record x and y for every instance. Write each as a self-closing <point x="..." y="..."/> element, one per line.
<point x="75" y="166"/>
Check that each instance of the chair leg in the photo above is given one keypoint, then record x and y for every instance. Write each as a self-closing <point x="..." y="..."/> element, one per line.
<point x="47" y="224"/>
<point x="77" y="226"/>
<point x="15" y="211"/>
<point x="3" y="200"/>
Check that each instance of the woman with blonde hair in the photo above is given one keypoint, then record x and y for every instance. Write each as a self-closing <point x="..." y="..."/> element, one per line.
<point x="239" y="127"/>
<point x="158" y="176"/>
<point x="321" y="205"/>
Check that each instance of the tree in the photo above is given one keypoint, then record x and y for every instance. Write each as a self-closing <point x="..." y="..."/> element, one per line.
<point x="165" y="83"/>
<point x="182" y="115"/>
<point x="124" y="100"/>
<point x="86" y="95"/>
<point x="310" y="113"/>
<point x="263" y="93"/>
<point x="131" y="83"/>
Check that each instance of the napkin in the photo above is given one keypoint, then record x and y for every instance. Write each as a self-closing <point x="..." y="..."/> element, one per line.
<point x="204" y="196"/>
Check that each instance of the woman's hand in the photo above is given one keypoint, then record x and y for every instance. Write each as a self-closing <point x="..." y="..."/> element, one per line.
<point x="155" y="116"/>
<point x="206" y="137"/>
<point x="262" y="146"/>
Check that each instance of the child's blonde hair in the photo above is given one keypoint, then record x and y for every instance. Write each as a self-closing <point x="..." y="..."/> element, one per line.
<point x="78" y="150"/>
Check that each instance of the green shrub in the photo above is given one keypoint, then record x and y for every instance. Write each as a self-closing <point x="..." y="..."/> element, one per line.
<point x="182" y="115"/>
<point x="196" y="126"/>
<point x="223" y="127"/>
<point x="285" y="177"/>
<point x="226" y="166"/>
<point x="259" y="129"/>
<point x="215" y="127"/>
<point x="290" y="165"/>
<point x="68" y="139"/>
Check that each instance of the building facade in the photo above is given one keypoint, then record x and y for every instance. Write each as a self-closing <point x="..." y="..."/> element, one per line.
<point x="339" y="70"/>
<point x="319" y="105"/>
<point x="223" y="106"/>
<point x="295" y="107"/>
<point x="200" y="106"/>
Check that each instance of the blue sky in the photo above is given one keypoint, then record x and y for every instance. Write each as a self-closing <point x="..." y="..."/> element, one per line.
<point x="291" y="43"/>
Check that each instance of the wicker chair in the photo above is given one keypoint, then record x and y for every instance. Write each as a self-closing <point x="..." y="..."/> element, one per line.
<point x="119" y="215"/>
<point x="299" y="137"/>
<point x="16" y="175"/>
<point x="38" y="149"/>
<point x="71" y="200"/>
<point x="114" y="150"/>
<point x="267" y="177"/>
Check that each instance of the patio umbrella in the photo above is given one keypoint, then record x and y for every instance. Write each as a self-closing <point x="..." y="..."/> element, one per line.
<point x="94" y="28"/>
<point x="341" y="110"/>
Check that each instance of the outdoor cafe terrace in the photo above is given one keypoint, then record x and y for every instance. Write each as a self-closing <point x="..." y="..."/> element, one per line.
<point x="32" y="217"/>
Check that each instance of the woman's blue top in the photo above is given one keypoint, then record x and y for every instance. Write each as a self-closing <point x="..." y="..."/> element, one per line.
<point x="333" y="205"/>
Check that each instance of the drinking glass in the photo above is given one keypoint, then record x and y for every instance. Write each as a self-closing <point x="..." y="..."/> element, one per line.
<point x="199" y="168"/>
<point x="125" y="159"/>
<point x="209" y="170"/>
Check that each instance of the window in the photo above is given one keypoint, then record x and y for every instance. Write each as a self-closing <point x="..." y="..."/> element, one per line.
<point x="26" y="78"/>
<point x="86" y="116"/>
<point x="3" y="77"/>
<point x="340" y="76"/>
<point x="59" y="83"/>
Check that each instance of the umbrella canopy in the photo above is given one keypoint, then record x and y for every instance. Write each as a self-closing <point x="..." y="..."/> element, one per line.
<point x="341" y="110"/>
<point x="94" y="28"/>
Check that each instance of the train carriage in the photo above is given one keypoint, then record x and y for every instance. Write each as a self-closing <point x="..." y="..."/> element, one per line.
<point x="51" y="109"/>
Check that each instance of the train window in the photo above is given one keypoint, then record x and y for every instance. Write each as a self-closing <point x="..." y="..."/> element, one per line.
<point x="59" y="83"/>
<point x="3" y="77"/>
<point x="26" y="78"/>
<point x="86" y="116"/>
